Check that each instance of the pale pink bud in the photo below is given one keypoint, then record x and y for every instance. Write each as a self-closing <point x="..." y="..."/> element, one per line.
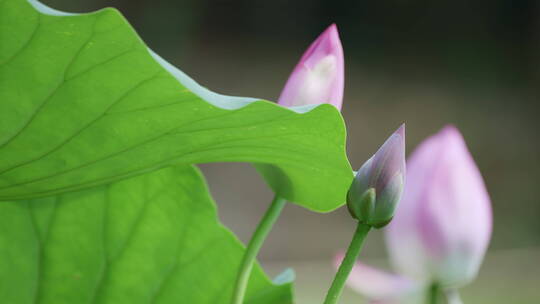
<point x="443" y="224"/>
<point x="319" y="76"/>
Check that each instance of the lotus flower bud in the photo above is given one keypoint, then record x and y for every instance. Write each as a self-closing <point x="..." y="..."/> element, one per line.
<point x="377" y="187"/>
<point x="319" y="76"/>
<point x="443" y="224"/>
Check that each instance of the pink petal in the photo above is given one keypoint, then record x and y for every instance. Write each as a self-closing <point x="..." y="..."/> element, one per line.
<point x="443" y="223"/>
<point x="377" y="285"/>
<point x="319" y="76"/>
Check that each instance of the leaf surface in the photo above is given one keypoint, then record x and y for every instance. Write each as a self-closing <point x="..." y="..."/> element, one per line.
<point x="154" y="238"/>
<point x="83" y="102"/>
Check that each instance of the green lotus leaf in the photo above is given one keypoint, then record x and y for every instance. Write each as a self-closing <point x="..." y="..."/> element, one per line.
<point x="83" y="102"/>
<point x="153" y="238"/>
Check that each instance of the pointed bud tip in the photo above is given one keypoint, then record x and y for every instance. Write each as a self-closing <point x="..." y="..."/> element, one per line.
<point x="450" y="136"/>
<point x="401" y="130"/>
<point x="450" y="130"/>
<point x="330" y="41"/>
<point x="332" y="29"/>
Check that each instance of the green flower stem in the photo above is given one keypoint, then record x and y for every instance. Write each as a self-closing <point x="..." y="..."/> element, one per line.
<point x="255" y="244"/>
<point x="347" y="264"/>
<point x="433" y="294"/>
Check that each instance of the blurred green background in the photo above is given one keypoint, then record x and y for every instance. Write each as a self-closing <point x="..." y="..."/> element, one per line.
<point x="475" y="64"/>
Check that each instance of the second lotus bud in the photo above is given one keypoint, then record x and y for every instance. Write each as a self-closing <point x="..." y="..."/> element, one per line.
<point x="378" y="185"/>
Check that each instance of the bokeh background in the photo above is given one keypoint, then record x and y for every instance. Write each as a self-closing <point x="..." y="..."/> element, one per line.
<point x="475" y="64"/>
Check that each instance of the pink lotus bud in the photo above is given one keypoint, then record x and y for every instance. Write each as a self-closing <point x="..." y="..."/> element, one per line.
<point x="443" y="225"/>
<point x="319" y="76"/>
<point x="377" y="187"/>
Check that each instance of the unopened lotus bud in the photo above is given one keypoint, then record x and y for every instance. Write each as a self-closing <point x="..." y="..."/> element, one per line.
<point x="319" y="75"/>
<point x="378" y="185"/>
<point x="443" y="224"/>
